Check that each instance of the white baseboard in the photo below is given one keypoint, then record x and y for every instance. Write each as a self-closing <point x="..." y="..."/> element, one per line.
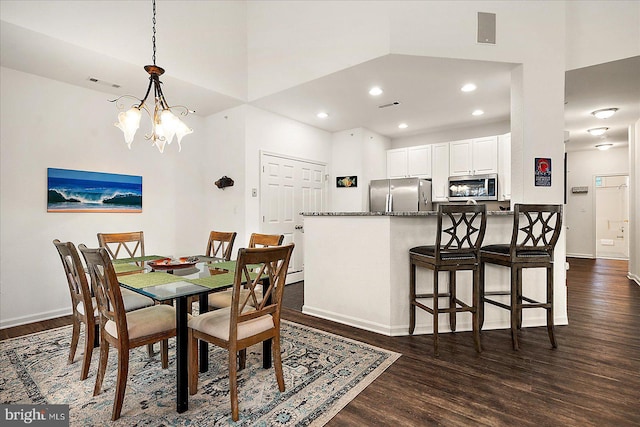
<point x="589" y="256"/>
<point x="17" y="321"/>
<point x="634" y="277"/>
<point x="421" y="329"/>
<point x="348" y="320"/>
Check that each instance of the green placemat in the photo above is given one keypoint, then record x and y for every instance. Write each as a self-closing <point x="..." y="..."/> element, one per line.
<point x="215" y="281"/>
<point x="137" y="259"/>
<point x="224" y="265"/>
<point x="126" y="268"/>
<point x="144" y="280"/>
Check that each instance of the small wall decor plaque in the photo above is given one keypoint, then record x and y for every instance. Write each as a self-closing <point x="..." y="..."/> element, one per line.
<point x="543" y="172"/>
<point x="346" y="181"/>
<point x="82" y="191"/>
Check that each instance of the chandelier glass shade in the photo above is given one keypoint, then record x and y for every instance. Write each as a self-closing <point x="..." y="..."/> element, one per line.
<point x="165" y="125"/>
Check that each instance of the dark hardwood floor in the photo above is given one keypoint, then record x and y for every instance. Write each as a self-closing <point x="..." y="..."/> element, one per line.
<point x="591" y="379"/>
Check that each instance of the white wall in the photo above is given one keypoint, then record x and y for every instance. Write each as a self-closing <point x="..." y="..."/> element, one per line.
<point x="582" y="167"/>
<point x="358" y="152"/>
<point x="290" y="43"/>
<point x="601" y="31"/>
<point x="51" y="124"/>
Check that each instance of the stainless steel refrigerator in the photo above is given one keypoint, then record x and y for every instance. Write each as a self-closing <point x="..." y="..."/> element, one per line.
<point x="400" y="195"/>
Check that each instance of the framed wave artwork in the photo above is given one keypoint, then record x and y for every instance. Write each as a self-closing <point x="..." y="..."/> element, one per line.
<point x="82" y="191"/>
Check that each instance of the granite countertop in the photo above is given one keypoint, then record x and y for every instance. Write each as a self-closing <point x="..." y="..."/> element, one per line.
<point x="412" y="214"/>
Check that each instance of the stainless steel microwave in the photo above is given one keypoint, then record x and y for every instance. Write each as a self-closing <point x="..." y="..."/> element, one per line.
<point x="475" y="187"/>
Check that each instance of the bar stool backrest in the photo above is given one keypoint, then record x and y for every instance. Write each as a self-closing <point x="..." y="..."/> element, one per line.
<point x="536" y="229"/>
<point x="461" y="229"/>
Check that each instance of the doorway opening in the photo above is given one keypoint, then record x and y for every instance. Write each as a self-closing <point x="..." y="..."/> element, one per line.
<point x="612" y="216"/>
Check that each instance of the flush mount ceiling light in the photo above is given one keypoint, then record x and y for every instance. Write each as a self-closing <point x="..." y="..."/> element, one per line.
<point x="469" y="87"/>
<point x="403" y="126"/>
<point x="375" y="91"/>
<point x="477" y="113"/>
<point x="322" y="115"/>
<point x="605" y="113"/>
<point x="597" y="131"/>
<point x="603" y="147"/>
<point x="164" y="124"/>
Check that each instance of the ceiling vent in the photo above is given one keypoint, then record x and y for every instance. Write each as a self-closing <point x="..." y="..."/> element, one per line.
<point x="393" y="104"/>
<point x="103" y="83"/>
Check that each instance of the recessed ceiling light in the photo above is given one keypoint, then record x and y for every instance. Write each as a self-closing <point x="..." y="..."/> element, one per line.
<point x="477" y="113"/>
<point x="375" y="91"/>
<point x="469" y="87"/>
<point x="403" y="125"/>
<point x="605" y="113"/>
<point x="322" y="115"/>
<point x="597" y="131"/>
<point x="603" y="147"/>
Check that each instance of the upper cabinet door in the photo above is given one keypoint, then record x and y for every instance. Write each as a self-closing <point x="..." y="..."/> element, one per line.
<point x="419" y="161"/>
<point x="485" y="155"/>
<point x="460" y="160"/>
<point x="397" y="163"/>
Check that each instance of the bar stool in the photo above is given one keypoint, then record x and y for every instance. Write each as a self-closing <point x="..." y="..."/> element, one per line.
<point x="457" y="247"/>
<point x="536" y="229"/>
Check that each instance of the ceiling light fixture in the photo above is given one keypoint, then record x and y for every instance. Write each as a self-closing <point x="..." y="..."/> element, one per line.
<point x="605" y="113"/>
<point x="375" y="91"/>
<point x="165" y="125"/>
<point x="469" y="87"/>
<point x="403" y="125"/>
<point x="603" y="147"/>
<point x="477" y="113"/>
<point x="322" y="115"/>
<point x="597" y="131"/>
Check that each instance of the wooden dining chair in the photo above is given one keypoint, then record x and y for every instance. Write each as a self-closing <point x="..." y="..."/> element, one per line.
<point x="536" y="229"/>
<point x="120" y="329"/>
<point x="220" y="245"/>
<point x="246" y="322"/>
<point x="223" y="299"/>
<point x="124" y="245"/>
<point x="81" y="299"/>
<point x="82" y="305"/>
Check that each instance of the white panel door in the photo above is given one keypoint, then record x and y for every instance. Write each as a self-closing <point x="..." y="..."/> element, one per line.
<point x="460" y="158"/>
<point x="288" y="187"/>
<point x="419" y="161"/>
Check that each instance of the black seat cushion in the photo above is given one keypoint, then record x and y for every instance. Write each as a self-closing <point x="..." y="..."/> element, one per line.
<point x="505" y="250"/>
<point x="430" y="251"/>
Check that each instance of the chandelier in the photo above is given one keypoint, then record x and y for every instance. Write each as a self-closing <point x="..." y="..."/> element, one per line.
<point x="164" y="124"/>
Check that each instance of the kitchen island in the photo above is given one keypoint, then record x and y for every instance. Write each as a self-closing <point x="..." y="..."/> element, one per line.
<point x="356" y="268"/>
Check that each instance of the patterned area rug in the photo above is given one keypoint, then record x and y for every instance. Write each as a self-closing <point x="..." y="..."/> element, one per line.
<point x="323" y="372"/>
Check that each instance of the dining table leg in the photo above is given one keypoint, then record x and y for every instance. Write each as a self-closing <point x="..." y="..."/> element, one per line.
<point x="182" y="364"/>
<point x="203" y="307"/>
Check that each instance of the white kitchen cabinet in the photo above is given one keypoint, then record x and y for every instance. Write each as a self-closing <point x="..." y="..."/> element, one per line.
<point x="409" y="162"/>
<point x="485" y="155"/>
<point x="419" y="161"/>
<point x="397" y="163"/>
<point x="440" y="172"/>
<point x="473" y="156"/>
<point x="460" y="158"/>
<point x="504" y="167"/>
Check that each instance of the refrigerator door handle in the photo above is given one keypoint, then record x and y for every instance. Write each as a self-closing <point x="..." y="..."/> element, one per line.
<point x="389" y="202"/>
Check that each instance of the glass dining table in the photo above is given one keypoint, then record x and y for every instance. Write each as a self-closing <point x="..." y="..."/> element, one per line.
<point x="181" y="285"/>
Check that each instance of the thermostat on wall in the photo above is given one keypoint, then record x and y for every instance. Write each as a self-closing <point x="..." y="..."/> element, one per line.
<point x="579" y="190"/>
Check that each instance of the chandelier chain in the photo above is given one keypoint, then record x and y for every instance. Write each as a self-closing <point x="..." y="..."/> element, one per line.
<point x="153" y="38"/>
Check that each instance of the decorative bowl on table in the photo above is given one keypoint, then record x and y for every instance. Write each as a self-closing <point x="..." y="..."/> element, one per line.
<point x="173" y="264"/>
